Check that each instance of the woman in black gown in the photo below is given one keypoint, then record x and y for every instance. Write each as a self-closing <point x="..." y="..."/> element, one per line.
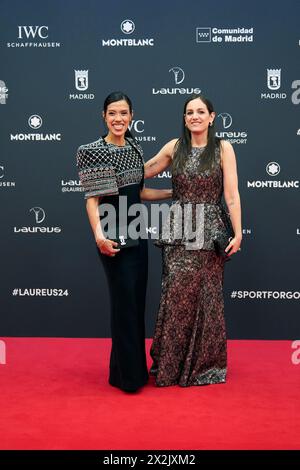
<point x="109" y="168"/>
<point x="189" y="344"/>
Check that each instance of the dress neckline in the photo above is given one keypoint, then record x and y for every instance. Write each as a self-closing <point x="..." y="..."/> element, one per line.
<point x="115" y="145"/>
<point x="118" y="146"/>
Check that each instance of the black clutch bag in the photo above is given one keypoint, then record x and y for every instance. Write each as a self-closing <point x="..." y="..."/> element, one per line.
<point x="223" y="238"/>
<point x="122" y="238"/>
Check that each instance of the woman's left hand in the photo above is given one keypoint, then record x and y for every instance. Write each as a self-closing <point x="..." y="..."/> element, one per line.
<point x="233" y="246"/>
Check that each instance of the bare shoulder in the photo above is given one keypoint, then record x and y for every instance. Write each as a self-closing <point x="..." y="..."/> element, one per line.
<point x="228" y="159"/>
<point x="227" y="151"/>
<point x="225" y="146"/>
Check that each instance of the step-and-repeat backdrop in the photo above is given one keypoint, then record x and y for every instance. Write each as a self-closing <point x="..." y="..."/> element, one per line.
<point x="59" y="60"/>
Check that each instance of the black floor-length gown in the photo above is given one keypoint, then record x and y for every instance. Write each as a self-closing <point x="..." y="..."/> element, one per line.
<point x="111" y="171"/>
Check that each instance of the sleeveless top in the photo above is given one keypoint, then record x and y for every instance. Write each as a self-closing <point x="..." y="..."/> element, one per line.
<point x="105" y="168"/>
<point x="194" y="218"/>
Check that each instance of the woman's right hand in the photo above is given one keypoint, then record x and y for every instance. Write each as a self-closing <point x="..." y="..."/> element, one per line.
<point x="106" y="246"/>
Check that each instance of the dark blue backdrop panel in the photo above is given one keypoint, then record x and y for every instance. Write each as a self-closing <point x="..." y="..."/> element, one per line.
<point x="58" y="62"/>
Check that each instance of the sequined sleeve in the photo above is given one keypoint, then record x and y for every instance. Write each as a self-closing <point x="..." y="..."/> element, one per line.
<point x="96" y="173"/>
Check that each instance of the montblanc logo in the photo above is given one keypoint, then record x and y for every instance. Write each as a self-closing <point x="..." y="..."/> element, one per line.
<point x="179" y="77"/>
<point x="273" y="84"/>
<point x="127" y="27"/>
<point x="233" y="136"/>
<point x="81" y="84"/>
<point x="273" y="169"/>
<point x="3" y="182"/>
<point x="35" y="122"/>
<point x="33" y="36"/>
<point x="3" y="92"/>
<point x="39" y="217"/>
<point x="221" y="35"/>
<point x="138" y="128"/>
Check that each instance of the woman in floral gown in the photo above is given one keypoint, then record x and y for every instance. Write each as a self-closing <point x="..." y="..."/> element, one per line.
<point x="189" y="344"/>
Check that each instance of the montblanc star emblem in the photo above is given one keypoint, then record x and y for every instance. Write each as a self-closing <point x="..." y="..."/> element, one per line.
<point x="273" y="168"/>
<point x="127" y="26"/>
<point x="35" y="121"/>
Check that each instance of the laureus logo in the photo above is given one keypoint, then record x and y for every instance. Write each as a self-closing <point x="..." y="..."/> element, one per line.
<point x="226" y="120"/>
<point x="39" y="214"/>
<point x="179" y="74"/>
<point x="233" y="136"/>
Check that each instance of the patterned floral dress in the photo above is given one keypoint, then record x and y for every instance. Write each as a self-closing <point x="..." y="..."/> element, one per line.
<point x="189" y="344"/>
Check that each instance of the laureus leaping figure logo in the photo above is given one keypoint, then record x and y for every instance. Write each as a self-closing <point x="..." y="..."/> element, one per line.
<point x="39" y="214"/>
<point x="178" y="74"/>
<point x="226" y="120"/>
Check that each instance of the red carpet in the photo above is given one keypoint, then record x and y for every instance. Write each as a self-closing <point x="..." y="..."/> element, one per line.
<point x="55" y="395"/>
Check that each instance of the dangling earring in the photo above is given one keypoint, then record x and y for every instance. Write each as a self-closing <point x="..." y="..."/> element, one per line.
<point x="210" y="124"/>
